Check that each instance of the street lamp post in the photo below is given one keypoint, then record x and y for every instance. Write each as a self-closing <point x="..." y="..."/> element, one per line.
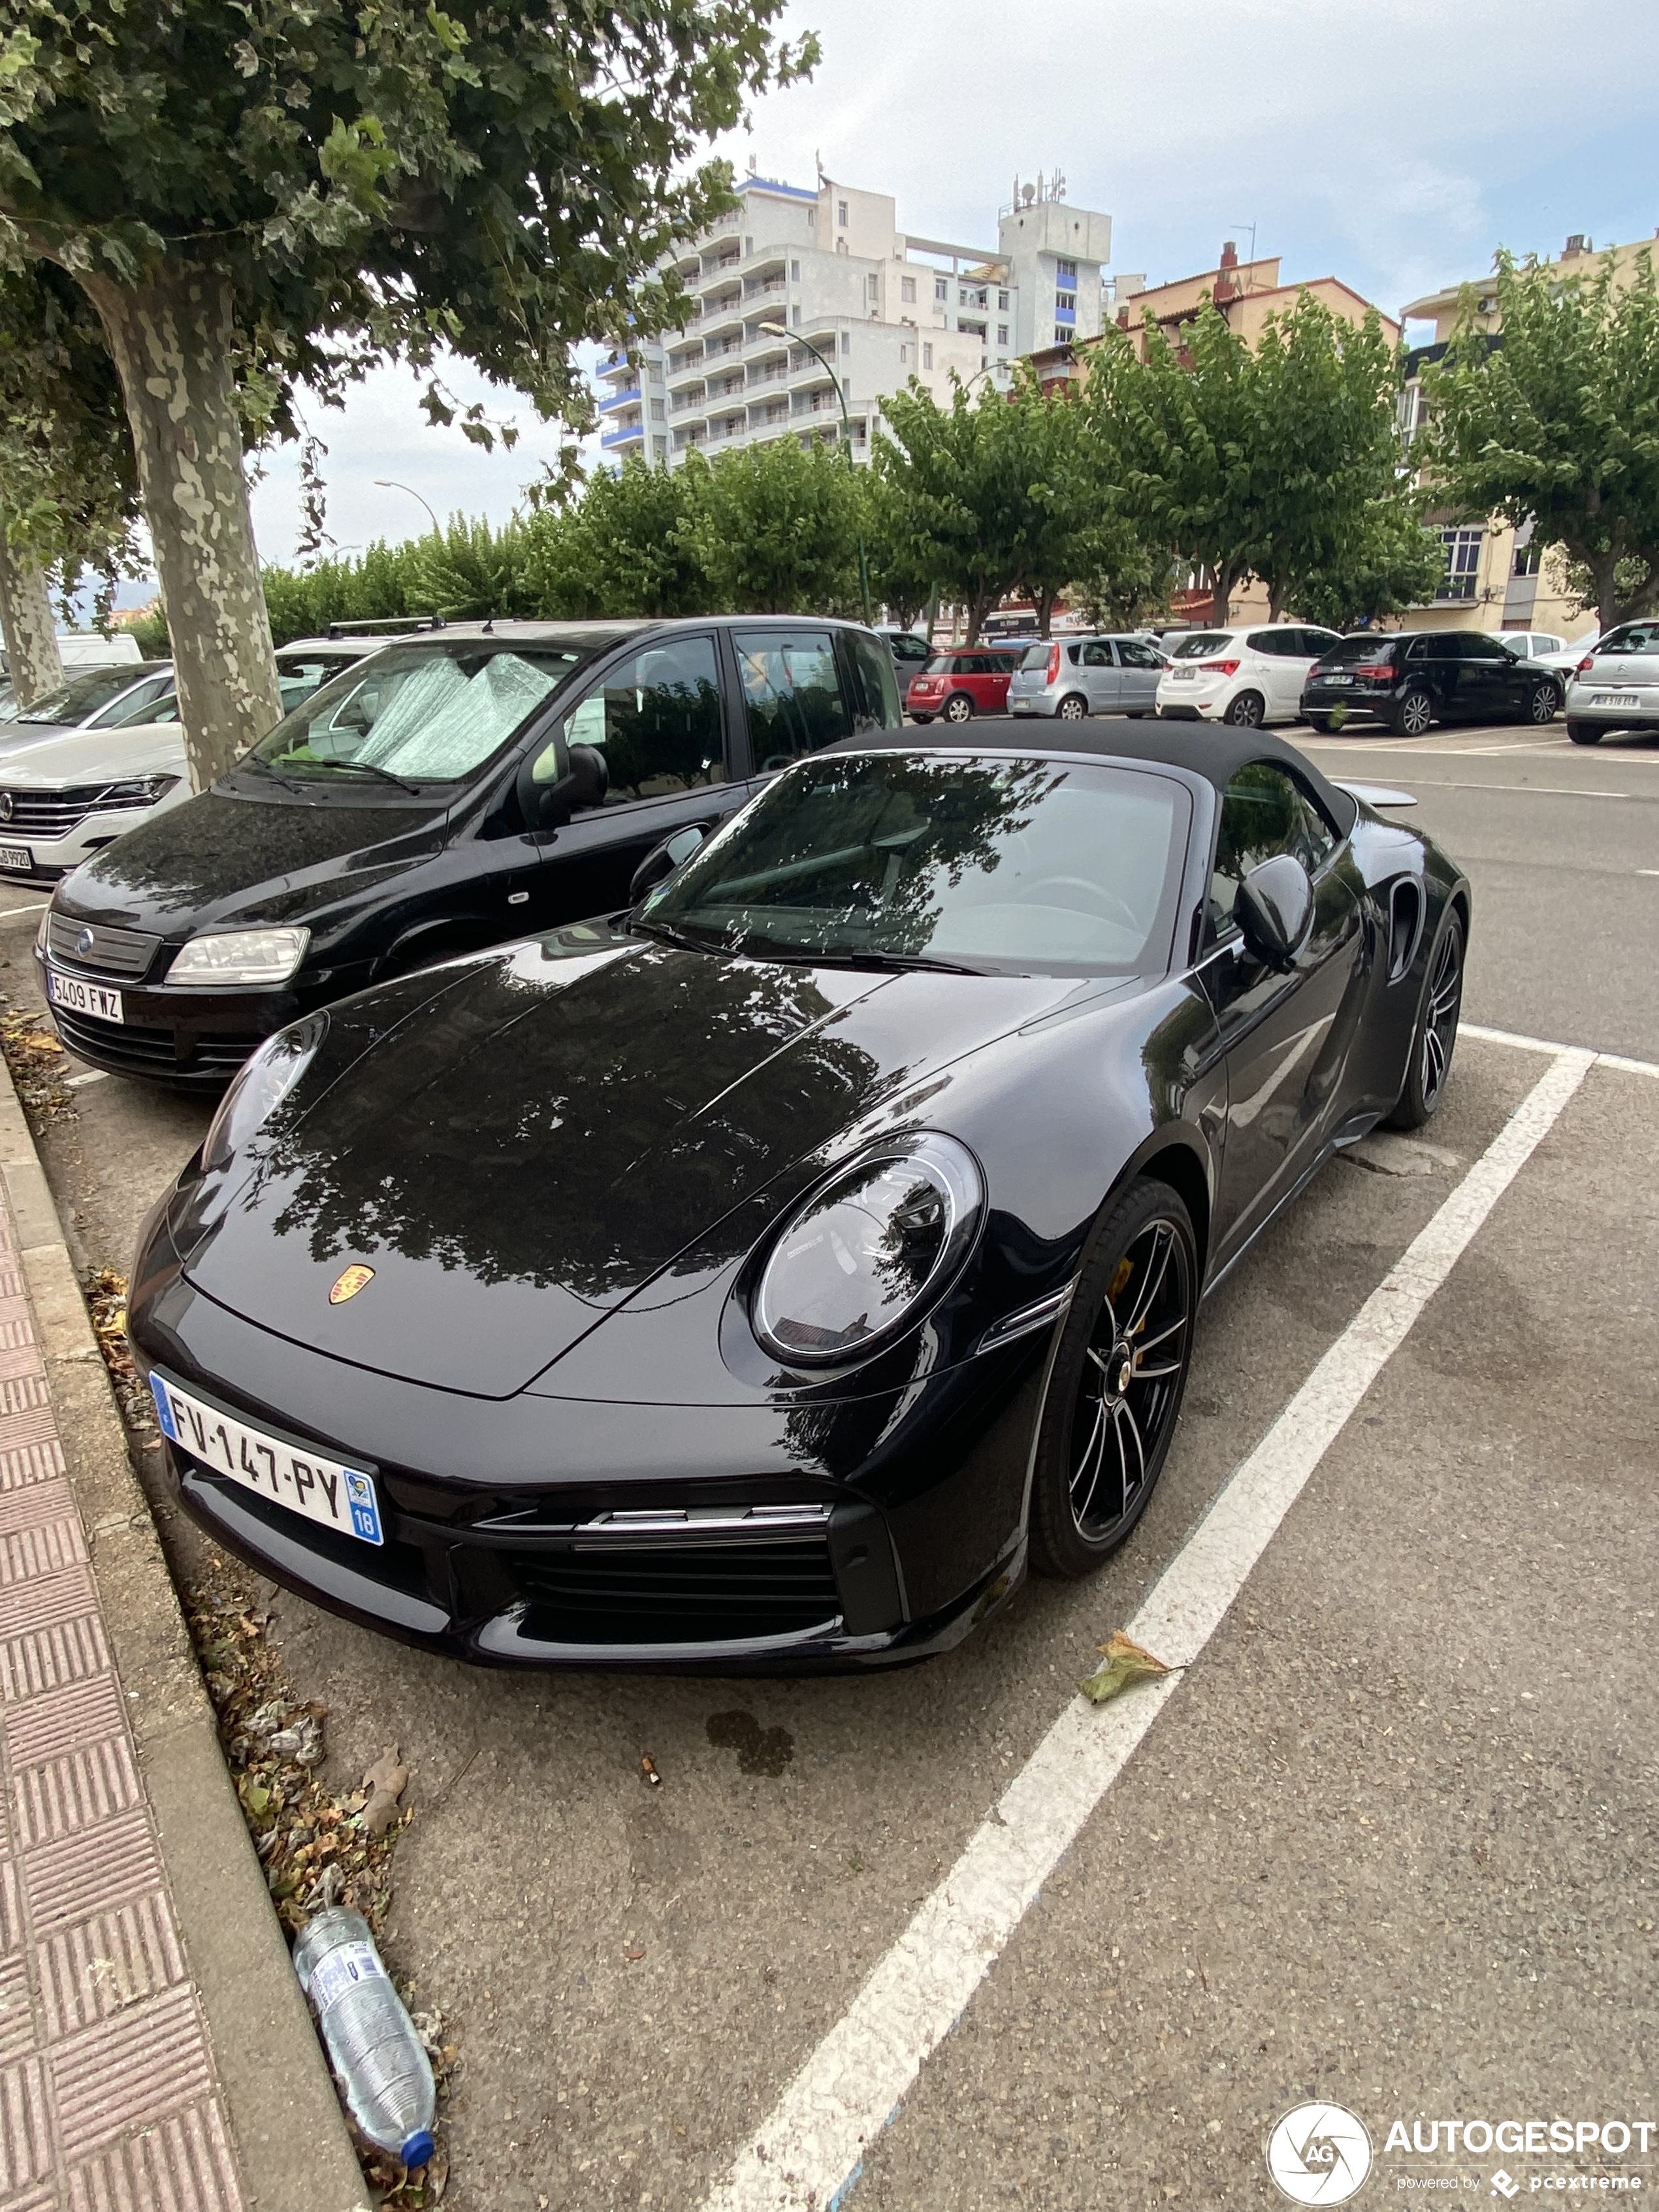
<point x="778" y="330"/>
<point x="388" y="484"/>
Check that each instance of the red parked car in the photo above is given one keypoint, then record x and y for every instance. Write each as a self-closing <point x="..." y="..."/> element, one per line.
<point x="961" y="684"/>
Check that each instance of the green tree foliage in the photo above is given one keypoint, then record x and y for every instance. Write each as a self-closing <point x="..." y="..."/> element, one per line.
<point x="775" y="529"/>
<point x="955" y="511"/>
<point x="1391" y="563"/>
<point x="253" y="194"/>
<point x="68" y="484"/>
<point x="1558" y="420"/>
<point x="1263" y="463"/>
<point x="618" y="549"/>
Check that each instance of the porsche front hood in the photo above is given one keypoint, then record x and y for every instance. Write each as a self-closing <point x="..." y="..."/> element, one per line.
<point x="530" y="1146"/>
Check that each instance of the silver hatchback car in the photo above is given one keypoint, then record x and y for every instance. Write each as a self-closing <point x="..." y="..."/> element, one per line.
<point x="1073" y="677"/>
<point x="1615" y="685"/>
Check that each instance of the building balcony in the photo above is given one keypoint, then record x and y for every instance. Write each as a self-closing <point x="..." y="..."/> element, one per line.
<point x="763" y="288"/>
<point x="625" y="433"/>
<point x="715" y="306"/>
<point x="682" y="400"/>
<point x="629" y="397"/>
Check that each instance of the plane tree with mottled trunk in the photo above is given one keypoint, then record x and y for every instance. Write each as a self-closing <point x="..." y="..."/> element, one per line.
<point x="1556" y="421"/>
<point x="68" y="485"/>
<point x="256" y="196"/>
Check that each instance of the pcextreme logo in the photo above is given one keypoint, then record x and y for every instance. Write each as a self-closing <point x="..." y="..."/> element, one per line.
<point x="1319" y="2154"/>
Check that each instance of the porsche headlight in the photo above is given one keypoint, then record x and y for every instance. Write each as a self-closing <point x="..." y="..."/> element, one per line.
<point x="867" y="1250"/>
<point x="241" y="955"/>
<point x="259" y="1087"/>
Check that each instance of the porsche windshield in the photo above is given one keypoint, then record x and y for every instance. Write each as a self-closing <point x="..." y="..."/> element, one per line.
<point x="999" y="865"/>
<point x="415" y="714"/>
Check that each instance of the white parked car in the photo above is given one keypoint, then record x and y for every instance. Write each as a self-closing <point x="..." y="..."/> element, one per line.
<point x="1244" y="676"/>
<point x="96" y="758"/>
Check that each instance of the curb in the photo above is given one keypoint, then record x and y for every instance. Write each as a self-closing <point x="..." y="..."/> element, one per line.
<point x="292" y="2144"/>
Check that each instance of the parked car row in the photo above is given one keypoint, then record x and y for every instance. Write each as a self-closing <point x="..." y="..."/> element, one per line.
<point x="105" y="752"/>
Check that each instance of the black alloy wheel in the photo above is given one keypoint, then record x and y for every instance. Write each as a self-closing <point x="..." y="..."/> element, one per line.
<point x="1073" y="707"/>
<point x="1544" y="704"/>
<point x="1246" y="711"/>
<point x="958" y="708"/>
<point x="1584" y="733"/>
<point x="1116" y="1384"/>
<point x="1435" y="1037"/>
<point x="1414" y="715"/>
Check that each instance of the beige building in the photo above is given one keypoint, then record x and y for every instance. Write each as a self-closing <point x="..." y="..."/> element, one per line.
<point x="802" y="298"/>
<point x="1496" y="578"/>
<point x="1248" y="293"/>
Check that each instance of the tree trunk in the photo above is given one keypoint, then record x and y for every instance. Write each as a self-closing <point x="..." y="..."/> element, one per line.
<point x="30" y="626"/>
<point x="1045" y="610"/>
<point x="174" y="340"/>
<point x="1225" y="578"/>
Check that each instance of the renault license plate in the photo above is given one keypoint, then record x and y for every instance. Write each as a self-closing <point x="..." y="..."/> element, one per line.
<point x="17" y="860"/>
<point x="80" y="997"/>
<point x="321" y="1489"/>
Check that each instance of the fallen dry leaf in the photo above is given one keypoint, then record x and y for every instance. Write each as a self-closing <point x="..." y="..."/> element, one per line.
<point x="1126" y="1662"/>
<point x="386" y="1782"/>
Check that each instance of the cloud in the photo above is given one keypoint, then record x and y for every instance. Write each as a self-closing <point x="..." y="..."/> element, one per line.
<point x="1394" y="143"/>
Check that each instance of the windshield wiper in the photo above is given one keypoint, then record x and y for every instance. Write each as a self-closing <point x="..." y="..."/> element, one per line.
<point x="665" y="933"/>
<point x="374" y="768"/>
<point x="265" y="768"/>
<point x="893" y="960"/>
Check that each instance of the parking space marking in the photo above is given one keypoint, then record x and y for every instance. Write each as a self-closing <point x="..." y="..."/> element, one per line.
<point x="11" y="913"/>
<point x="1545" y="1044"/>
<point x="809" y="2151"/>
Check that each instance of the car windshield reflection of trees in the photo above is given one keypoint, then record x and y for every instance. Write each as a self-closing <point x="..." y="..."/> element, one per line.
<point x="550" y="1135"/>
<point x="1008" y="865"/>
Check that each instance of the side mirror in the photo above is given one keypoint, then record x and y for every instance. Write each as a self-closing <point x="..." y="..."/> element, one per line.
<point x="582" y="779"/>
<point x="665" y="859"/>
<point x="1274" y="909"/>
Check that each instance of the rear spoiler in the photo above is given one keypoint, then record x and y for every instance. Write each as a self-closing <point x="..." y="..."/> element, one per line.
<point x="1375" y="794"/>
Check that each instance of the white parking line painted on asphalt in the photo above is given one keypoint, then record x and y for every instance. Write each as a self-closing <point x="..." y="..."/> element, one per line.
<point x="1544" y="1044"/>
<point x="12" y="913"/>
<point x="808" y="2152"/>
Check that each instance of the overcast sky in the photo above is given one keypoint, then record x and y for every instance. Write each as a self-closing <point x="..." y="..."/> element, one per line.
<point x="1394" y="143"/>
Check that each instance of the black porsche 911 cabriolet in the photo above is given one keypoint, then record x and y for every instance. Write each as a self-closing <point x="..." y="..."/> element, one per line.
<point x="757" y="1278"/>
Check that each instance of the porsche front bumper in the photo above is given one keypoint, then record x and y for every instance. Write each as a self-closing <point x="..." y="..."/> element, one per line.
<point x="535" y="1531"/>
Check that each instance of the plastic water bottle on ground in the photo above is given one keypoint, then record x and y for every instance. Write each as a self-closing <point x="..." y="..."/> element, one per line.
<point x="377" y="2057"/>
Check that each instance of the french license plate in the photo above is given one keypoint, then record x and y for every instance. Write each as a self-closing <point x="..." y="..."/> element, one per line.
<point x="17" y="859"/>
<point x="1614" y="699"/>
<point x="339" y="1498"/>
<point x="1336" y="679"/>
<point x="83" y="998"/>
<point x="1184" y="675"/>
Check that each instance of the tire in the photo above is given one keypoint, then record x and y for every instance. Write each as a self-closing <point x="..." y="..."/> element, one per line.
<point x="1320" y="723"/>
<point x="959" y="708"/>
<point x="1104" y="1430"/>
<point x="1136" y="714"/>
<point x="1247" y="712"/>
<point x="1414" y="712"/>
<point x="921" y="718"/>
<point x="1434" y="1034"/>
<point x="1544" y="705"/>
<point x="1584" y="733"/>
<point x="1073" y="707"/>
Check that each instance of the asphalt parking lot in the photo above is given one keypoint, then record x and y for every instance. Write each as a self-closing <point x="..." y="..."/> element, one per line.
<point x="1388" y="1838"/>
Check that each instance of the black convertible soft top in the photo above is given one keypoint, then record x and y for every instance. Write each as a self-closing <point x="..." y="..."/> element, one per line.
<point x="1215" y="750"/>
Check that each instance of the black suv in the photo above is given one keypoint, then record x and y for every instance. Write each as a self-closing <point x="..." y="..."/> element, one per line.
<point x="483" y="782"/>
<point x="1420" y="676"/>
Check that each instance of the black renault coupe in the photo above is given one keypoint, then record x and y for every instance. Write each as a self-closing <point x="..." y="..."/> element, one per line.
<point x="760" y="1277"/>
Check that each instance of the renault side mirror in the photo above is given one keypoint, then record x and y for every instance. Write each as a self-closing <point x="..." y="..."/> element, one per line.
<point x="666" y="858"/>
<point x="1274" y="909"/>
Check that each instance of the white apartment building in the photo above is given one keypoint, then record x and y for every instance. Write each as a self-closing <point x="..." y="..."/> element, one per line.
<point x="789" y="266"/>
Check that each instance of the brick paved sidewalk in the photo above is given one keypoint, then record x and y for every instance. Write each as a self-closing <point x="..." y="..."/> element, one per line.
<point x="108" y="2099"/>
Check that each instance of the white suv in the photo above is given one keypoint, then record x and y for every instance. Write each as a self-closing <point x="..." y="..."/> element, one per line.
<point x="1244" y="676"/>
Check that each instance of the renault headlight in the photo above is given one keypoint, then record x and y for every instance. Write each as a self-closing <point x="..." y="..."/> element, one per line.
<point x="241" y="955"/>
<point x="259" y="1087"/>
<point x="867" y="1250"/>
